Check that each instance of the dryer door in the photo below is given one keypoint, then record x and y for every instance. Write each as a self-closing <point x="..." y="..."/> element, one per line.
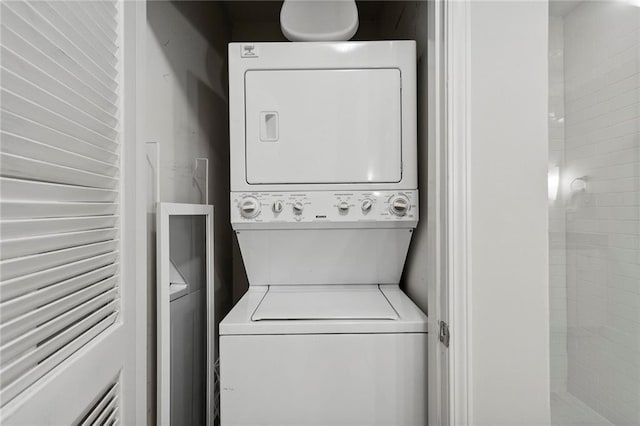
<point x="323" y="126"/>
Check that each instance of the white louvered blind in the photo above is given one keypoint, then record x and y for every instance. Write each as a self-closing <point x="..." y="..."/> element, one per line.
<point x="104" y="409"/>
<point x="59" y="183"/>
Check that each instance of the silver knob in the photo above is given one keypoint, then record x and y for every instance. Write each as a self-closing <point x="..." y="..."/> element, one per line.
<point x="277" y="207"/>
<point x="298" y="207"/>
<point x="343" y="207"/>
<point x="399" y="205"/>
<point x="249" y="207"/>
<point x="366" y="205"/>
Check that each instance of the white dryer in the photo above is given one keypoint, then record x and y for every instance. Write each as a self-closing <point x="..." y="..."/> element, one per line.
<point x="323" y="201"/>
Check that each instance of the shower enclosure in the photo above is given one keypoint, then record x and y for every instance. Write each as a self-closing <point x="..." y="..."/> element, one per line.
<point x="594" y="211"/>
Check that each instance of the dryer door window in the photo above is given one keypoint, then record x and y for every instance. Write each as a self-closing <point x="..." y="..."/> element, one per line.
<point x="323" y="126"/>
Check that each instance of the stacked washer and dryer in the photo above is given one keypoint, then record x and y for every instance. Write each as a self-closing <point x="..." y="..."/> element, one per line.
<point x="324" y="201"/>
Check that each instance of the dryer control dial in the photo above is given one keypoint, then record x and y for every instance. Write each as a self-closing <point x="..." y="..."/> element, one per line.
<point x="366" y="205"/>
<point x="399" y="205"/>
<point x="298" y="207"/>
<point x="277" y="207"/>
<point x="249" y="207"/>
<point x="343" y="207"/>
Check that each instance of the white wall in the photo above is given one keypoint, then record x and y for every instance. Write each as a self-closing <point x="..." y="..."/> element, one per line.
<point x="557" y="228"/>
<point x="509" y="299"/>
<point x="187" y="115"/>
<point x="602" y="64"/>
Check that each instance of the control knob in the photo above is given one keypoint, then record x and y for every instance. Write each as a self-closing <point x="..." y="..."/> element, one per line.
<point x="277" y="207"/>
<point x="343" y="207"/>
<point x="249" y="207"/>
<point x="366" y="206"/>
<point x="399" y="205"/>
<point x="298" y="207"/>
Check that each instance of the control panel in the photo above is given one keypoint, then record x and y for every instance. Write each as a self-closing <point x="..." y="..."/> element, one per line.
<point x="324" y="207"/>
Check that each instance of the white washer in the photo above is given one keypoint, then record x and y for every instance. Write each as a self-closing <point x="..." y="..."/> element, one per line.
<point x="324" y="202"/>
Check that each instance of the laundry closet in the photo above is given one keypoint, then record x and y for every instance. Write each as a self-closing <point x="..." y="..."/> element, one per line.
<point x="190" y="161"/>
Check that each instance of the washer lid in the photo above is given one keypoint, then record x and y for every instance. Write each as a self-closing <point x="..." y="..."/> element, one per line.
<point x="356" y="302"/>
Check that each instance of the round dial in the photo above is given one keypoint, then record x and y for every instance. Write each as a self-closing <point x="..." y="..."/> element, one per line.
<point x="277" y="207"/>
<point x="366" y="205"/>
<point x="298" y="207"/>
<point x="249" y="207"/>
<point x="343" y="207"/>
<point x="399" y="205"/>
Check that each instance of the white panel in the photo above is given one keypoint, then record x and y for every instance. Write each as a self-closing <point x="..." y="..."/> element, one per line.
<point x="327" y="256"/>
<point x="68" y="342"/>
<point x="330" y="379"/>
<point x="62" y="120"/>
<point x="323" y="126"/>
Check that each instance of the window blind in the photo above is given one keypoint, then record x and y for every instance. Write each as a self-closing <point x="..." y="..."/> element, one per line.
<point x="59" y="184"/>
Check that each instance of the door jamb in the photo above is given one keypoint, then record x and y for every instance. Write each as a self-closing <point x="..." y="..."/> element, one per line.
<point x="457" y="42"/>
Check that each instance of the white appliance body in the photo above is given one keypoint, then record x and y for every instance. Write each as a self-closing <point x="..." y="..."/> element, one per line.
<point x="324" y="201"/>
<point x="323" y="116"/>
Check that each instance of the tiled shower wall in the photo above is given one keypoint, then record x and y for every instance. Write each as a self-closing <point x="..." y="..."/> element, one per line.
<point x="557" y="231"/>
<point x="601" y="189"/>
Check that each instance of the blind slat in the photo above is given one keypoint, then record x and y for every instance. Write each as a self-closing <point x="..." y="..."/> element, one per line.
<point x="81" y="39"/>
<point x="15" y="23"/>
<point x="33" y="245"/>
<point x="105" y="25"/>
<point x="27" y="148"/>
<point x="24" y="228"/>
<point x="105" y="413"/>
<point x="10" y="351"/>
<point x="99" y="405"/>
<point x="25" y="168"/>
<point x="24" y="284"/>
<point x="26" y="209"/>
<point x="26" y="13"/>
<point x="74" y="337"/>
<point x="16" y="64"/>
<point x="23" y="127"/>
<point x="103" y="38"/>
<point x="16" y="190"/>
<point x="45" y="99"/>
<point x="58" y="70"/>
<point x="97" y="293"/>
<point x="28" y="265"/>
<point x="34" y="112"/>
<point x="23" y="304"/>
<point x="106" y="12"/>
